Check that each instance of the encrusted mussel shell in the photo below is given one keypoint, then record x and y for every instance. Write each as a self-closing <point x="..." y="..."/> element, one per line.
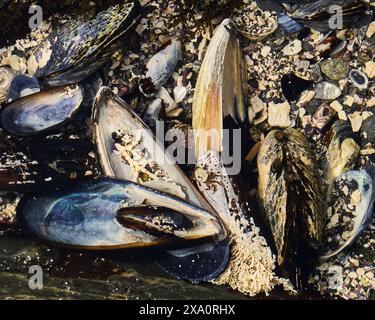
<point x="78" y="48"/>
<point x="291" y="194"/>
<point x="86" y="216"/>
<point x="42" y="111"/>
<point x="350" y="206"/>
<point x="128" y="150"/>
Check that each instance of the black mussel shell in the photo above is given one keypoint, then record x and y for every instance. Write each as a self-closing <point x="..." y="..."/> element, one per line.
<point x="42" y="111"/>
<point x="196" y="264"/>
<point x="78" y="48"/>
<point x="22" y="85"/>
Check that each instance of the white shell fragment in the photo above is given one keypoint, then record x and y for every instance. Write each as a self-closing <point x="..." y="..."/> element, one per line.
<point x="293" y="48"/>
<point x="279" y="115"/>
<point x="179" y="93"/>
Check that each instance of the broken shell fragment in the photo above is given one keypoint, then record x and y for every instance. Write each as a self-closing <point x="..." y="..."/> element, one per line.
<point x="42" y="111"/>
<point x="154" y="112"/>
<point x="279" y="114"/>
<point x="293" y="48"/>
<point x="323" y="116"/>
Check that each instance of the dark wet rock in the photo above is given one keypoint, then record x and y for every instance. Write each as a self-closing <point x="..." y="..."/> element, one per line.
<point x="335" y="69"/>
<point x="292" y="86"/>
<point x="312" y="107"/>
<point x="368" y="129"/>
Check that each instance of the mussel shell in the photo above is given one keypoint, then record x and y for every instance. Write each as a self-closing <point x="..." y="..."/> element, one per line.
<point x="196" y="264"/>
<point x="112" y="114"/>
<point x="317" y="14"/>
<point x="343" y="150"/>
<point x="6" y="77"/>
<point x="288" y="24"/>
<point x="290" y="191"/>
<point x="351" y="211"/>
<point x="84" y="217"/>
<point x="42" y="111"/>
<point x="78" y="48"/>
<point x="22" y="85"/>
<point x="160" y="67"/>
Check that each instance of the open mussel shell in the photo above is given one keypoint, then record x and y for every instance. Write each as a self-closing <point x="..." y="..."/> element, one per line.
<point x="86" y="216"/>
<point x="349" y="208"/>
<point x="219" y="108"/>
<point x="116" y="128"/>
<point x="77" y="49"/>
<point x="160" y="67"/>
<point x="219" y="92"/>
<point x="42" y="111"/>
<point x="291" y="194"/>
